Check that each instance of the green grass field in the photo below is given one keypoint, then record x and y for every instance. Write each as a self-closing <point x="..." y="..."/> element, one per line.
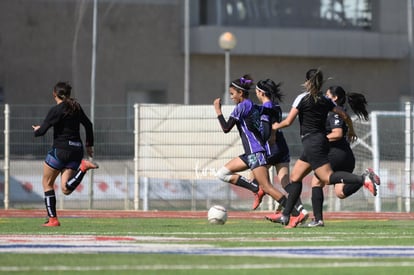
<point x="237" y="234"/>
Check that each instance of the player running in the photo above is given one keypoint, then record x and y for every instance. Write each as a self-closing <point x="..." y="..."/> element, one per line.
<point x="340" y="155"/>
<point x="269" y="94"/>
<point x="66" y="155"/>
<point x="246" y="117"/>
<point x="312" y="107"/>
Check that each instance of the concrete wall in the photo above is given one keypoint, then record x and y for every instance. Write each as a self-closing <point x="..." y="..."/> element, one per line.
<point x="140" y="48"/>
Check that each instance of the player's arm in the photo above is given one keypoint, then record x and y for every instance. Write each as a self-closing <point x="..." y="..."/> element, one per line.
<point x="89" y="140"/>
<point x="335" y="134"/>
<point x="287" y="121"/>
<point x="336" y="124"/>
<point x="226" y="126"/>
<point x="266" y="126"/>
<point x="344" y="115"/>
<point x="51" y="118"/>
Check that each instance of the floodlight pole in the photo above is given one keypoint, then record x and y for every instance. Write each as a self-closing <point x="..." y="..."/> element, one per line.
<point x="227" y="41"/>
<point x="186" y="52"/>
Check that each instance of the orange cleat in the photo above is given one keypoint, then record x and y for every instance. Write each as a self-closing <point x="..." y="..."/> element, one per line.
<point x="295" y="221"/>
<point x="274" y="217"/>
<point x="371" y="187"/>
<point x="53" y="221"/>
<point x="86" y="165"/>
<point x="258" y="197"/>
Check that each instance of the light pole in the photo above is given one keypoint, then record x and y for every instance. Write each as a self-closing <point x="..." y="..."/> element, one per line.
<point x="227" y="42"/>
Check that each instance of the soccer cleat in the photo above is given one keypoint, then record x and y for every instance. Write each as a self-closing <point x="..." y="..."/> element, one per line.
<point x="258" y="197"/>
<point x="371" y="187"/>
<point x="86" y="165"/>
<point x="279" y="209"/>
<point x="306" y="215"/>
<point x="299" y="219"/>
<point x="374" y="180"/>
<point x="274" y="217"/>
<point x="315" y="223"/>
<point x="283" y="220"/>
<point x="53" y="221"/>
<point x="372" y="176"/>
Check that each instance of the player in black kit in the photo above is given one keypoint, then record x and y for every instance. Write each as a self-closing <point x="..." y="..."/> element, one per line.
<point x="66" y="154"/>
<point x="312" y="107"/>
<point x="341" y="156"/>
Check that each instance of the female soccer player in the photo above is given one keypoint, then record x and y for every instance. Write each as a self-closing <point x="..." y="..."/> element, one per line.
<point x="340" y="155"/>
<point x="269" y="94"/>
<point x="66" y="155"/>
<point x="246" y="117"/>
<point x="313" y="107"/>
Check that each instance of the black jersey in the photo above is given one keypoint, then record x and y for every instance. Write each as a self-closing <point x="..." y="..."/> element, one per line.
<point x="313" y="112"/>
<point x="335" y="121"/>
<point x="66" y="127"/>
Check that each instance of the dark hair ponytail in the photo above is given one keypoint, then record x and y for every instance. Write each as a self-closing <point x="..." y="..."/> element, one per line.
<point x="243" y="84"/>
<point x="63" y="91"/>
<point x="314" y="78"/>
<point x="271" y="89"/>
<point x="358" y="105"/>
<point x="356" y="101"/>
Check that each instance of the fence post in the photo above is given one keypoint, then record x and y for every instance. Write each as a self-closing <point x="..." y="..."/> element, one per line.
<point x="136" y="156"/>
<point x="408" y="146"/>
<point x="375" y="155"/>
<point x="6" y="155"/>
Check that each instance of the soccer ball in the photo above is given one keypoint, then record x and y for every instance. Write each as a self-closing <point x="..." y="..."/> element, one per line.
<point x="217" y="214"/>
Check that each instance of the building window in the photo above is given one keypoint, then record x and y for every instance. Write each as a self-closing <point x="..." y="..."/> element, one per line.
<point x="331" y="14"/>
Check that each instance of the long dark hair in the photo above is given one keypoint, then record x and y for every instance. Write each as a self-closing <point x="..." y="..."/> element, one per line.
<point x="314" y="82"/>
<point x="356" y="101"/>
<point x="63" y="91"/>
<point x="243" y="84"/>
<point x="271" y="90"/>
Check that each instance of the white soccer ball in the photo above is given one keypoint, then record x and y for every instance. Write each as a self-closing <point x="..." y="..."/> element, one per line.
<point x="217" y="214"/>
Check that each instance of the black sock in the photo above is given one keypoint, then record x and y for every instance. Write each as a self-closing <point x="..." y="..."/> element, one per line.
<point x="350" y="189"/>
<point x="282" y="201"/>
<point x="298" y="205"/>
<point x="50" y="202"/>
<point x="251" y="185"/>
<point x="317" y="202"/>
<point x="345" y="177"/>
<point x="294" y="194"/>
<point x="75" y="180"/>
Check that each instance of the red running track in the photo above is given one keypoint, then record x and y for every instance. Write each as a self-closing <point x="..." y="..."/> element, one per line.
<point x="16" y="213"/>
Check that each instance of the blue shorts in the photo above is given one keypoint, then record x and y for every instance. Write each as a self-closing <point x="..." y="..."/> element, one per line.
<point x="254" y="160"/>
<point x="60" y="159"/>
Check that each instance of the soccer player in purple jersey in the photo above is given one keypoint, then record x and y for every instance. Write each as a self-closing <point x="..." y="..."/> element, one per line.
<point x="246" y="117"/>
<point x="66" y="155"/>
<point x="269" y="94"/>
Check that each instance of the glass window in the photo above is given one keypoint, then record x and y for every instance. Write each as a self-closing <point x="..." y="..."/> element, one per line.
<point x="348" y="14"/>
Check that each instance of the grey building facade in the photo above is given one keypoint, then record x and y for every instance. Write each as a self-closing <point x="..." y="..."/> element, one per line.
<point x="363" y="45"/>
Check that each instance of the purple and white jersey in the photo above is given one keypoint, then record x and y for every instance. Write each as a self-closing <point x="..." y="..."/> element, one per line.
<point x="247" y="116"/>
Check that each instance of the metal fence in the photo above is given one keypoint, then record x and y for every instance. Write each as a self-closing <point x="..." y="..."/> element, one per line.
<point x="165" y="157"/>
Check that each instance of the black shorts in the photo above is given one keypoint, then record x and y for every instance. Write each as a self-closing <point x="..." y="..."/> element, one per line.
<point x="278" y="155"/>
<point x="342" y="159"/>
<point x="315" y="150"/>
<point x="60" y="159"/>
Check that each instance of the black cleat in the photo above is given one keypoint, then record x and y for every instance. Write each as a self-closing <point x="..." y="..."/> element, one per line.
<point x="284" y="220"/>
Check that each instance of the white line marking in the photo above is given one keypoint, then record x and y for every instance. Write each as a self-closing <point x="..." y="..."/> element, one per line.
<point x="206" y="267"/>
